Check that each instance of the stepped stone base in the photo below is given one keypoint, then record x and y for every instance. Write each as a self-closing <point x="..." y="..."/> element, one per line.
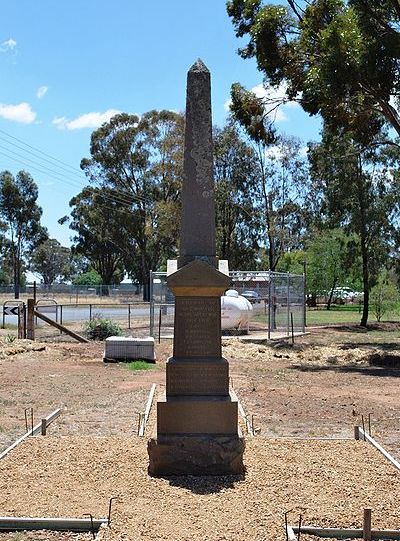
<point x="190" y="415"/>
<point x="196" y="455"/>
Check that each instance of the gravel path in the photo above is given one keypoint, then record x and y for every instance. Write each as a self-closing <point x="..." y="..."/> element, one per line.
<point x="329" y="482"/>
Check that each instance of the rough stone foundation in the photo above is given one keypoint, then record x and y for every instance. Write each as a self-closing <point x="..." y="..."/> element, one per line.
<point x="196" y="455"/>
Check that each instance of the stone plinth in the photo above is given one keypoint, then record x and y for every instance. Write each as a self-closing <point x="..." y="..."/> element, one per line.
<point x="201" y="376"/>
<point x="197" y="415"/>
<point x="197" y="420"/>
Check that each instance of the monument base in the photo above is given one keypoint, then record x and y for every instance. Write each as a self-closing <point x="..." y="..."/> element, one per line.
<point x="196" y="455"/>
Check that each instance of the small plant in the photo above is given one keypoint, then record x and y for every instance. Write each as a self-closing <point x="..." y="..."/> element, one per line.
<point x="140" y="364"/>
<point x="384" y="297"/>
<point x="10" y="338"/>
<point x="101" y="328"/>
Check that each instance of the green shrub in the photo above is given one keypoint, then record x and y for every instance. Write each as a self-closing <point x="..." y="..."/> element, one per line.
<point x="384" y="297"/>
<point x="100" y="328"/>
<point x="140" y="365"/>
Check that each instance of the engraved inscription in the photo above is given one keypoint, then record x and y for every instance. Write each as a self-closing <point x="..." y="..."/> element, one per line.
<point x="200" y="378"/>
<point x="197" y="327"/>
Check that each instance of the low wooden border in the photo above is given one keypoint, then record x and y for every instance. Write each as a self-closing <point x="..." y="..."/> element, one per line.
<point x="249" y="428"/>
<point x="14" y="524"/>
<point x="343" y="533"/>
<point x="145" y="416"/>
<point x="361" y="434"/>
<point x="36" y="429"/>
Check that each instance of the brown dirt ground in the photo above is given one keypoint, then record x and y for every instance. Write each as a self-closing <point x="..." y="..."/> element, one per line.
<point x="320" y="387"/>
<point x="329" y="483"/>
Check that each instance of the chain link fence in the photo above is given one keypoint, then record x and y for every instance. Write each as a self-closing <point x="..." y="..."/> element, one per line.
<point x="277" y="304"/>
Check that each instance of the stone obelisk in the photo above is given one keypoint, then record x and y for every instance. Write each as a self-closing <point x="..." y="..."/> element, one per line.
<point x="197" y="420"/>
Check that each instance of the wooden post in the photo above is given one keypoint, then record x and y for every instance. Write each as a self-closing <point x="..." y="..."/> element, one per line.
<point x="44" y="426"/>
<point x="34" y="292"/>
<point x="367" y="525"/>
<point x="30" y="330"/>
<point x="356" y="432"/>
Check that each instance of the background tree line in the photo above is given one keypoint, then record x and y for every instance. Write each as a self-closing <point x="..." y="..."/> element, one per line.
<point x="332" y="204"/>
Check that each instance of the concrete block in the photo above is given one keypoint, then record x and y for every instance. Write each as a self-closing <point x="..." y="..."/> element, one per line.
<point x="122" y="348"/>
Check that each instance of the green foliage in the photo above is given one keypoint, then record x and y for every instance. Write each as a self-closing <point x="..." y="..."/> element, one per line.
<point x="328" y="262"/>
<point x="101" y="328"/>
<point x="138" y="165"/>
<point x="10" y="338"/>
<point x="21" y="215"/>
<point x="338" y="58"/>
<point x="292" y="262"/>
<point x="237" y="216"/>
<point x="99" y="222"/>
<point x="140" y="364"/>
<point x="5" y="277"/>
<point x="51" y="261"/>
<point x="89" y="278"/>
<point x="359" y="194"/>
<point x="384" y="296"/>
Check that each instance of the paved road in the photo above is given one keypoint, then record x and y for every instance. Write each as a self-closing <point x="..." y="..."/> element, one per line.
<point x="75" y="313"/>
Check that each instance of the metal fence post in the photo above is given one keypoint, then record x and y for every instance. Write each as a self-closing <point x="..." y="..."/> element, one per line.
<point x="305" y="296"/>
<point x="288" y="304"/>
<point x="129" y="316"/>
<point x="269" y="305"/>
<point x="151" y="305"/>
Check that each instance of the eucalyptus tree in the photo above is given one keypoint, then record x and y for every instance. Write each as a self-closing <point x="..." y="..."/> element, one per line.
<point x="282" y="183"/>
<point x="20" y="215"/>
<point x="99" y="225"/>
<point x="361" y="196"/>
<point x="139" y="160"/>
<point x="51" y="261"/>
<point x="338" y="58"/>
<point x="236" y="196"/>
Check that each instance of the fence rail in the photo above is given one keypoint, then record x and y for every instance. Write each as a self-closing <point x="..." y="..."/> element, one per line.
<point x="278" y="302"/>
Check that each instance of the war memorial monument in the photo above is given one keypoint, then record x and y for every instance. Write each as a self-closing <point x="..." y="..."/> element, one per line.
<point x="197" y="421"/>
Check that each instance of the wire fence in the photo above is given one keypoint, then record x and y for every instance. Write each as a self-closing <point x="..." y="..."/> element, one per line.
<point x="277" y="304"/>
<point x="78" y="293"/>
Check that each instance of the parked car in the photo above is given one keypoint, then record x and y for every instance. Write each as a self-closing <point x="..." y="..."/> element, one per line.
<point x="251" y="296"/>
<point x="342" y="295"/>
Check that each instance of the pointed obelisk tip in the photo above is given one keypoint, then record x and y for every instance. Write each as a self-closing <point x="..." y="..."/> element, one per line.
<point x="199" y="66"/>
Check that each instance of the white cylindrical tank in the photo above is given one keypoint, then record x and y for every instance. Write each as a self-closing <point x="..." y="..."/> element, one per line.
<point x="235" y="311"/>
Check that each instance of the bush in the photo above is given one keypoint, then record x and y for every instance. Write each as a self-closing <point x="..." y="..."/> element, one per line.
<point x="90" y="278"/>
<point x="101" y="328"/>
<point x="384" y="297"/>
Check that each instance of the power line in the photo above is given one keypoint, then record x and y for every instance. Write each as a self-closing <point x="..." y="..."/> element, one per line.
<point x="110" y="197"/>
<point x="123" y="196"/>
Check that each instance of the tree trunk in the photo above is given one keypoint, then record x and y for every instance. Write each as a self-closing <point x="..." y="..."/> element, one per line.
<point x="17" y="277"/>
<point x="363" y="242"/>
<point x="364" y="255"/>
<point x="328" y="306"/>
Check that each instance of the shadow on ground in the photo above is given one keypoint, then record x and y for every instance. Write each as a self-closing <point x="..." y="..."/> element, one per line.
<point x="207" y="484"/>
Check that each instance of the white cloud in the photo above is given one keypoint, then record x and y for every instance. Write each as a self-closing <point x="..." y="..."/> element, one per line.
<point x="274" y="152"/>
<point x="394" y="101"/>
<point x="275" y="100"/>
<point x="21" y="112"/>
<point x="88" y="120"/>
<point x="41" y="91"/>
<point x="8" y="45"/>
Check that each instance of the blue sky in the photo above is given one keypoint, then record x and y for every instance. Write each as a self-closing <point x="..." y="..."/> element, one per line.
<point x="67" y="65"/>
